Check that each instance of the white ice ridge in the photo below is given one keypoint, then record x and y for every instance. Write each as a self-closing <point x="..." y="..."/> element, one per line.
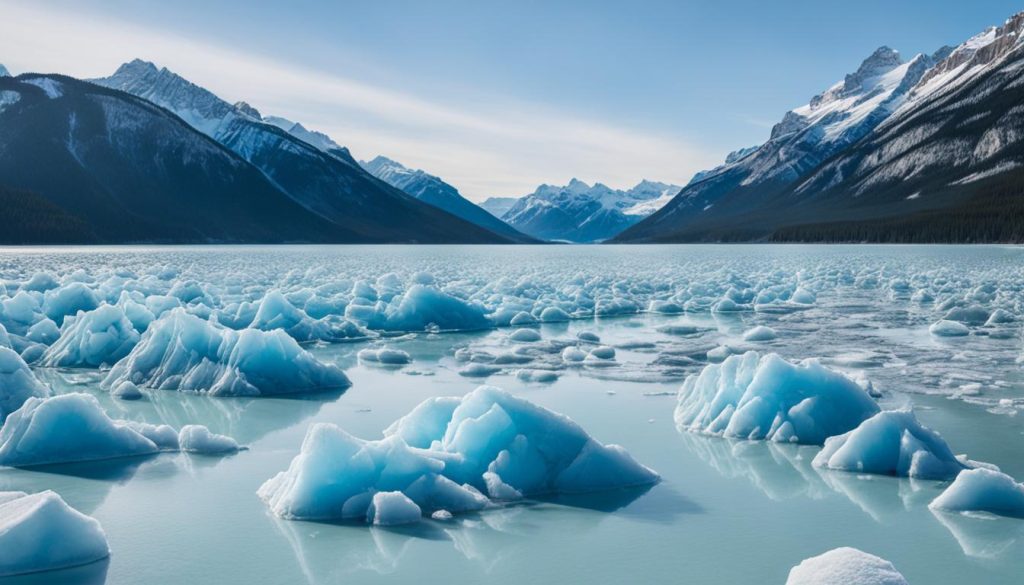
<point x="845" y="566"/>
<point x="74" y="427"/>
<point x="40" y="532"/>
<point x="891" y="443"/>
<point x="983" y="490"/>
<point x="183" y="352"/>
<point x="750" y="396"/>
<point x="446" y="455"/>
<point x="17" y="383"/>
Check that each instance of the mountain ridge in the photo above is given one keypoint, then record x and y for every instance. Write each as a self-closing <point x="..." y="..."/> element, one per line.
<point x="330" y="184"/>
<point x="858" y="180"/>
<point x="433" y="190"/>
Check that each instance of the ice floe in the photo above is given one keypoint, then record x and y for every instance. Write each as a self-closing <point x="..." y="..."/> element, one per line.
<point x="17" y="383"/>
<point x="983" y="490"/>
<point x="891" y="443"/>
<point x="41" y="532"/>
<point x="946" y="328"/>
<point x="751" y="396"/>
<point x="759" y="333"/>
<point x="453" y="454"/>
<point x="99" y="337"/>
<point x="845" y="566"/>
<point x="199" y="440"/>
<point x="74" y="427"/>
<point x="184" y="352"/>
<point x="386" y="356"/>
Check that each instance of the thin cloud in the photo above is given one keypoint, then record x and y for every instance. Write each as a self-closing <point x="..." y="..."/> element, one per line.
<point x="507" y="148"/>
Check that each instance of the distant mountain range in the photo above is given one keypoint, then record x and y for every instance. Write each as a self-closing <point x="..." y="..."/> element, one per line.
<point x="430" y="189"/>
<point x="582" y="213"/>
<point x="498" y="206"/>
<point x="130" y="171"/>
<point x="308" y="167"/>
<point x="930" y="149"/>
<point x="924" y="150"/>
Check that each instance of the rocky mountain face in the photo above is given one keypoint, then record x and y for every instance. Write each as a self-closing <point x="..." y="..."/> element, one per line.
<point x="582" y="213"/>
<point x="90" y="164"/>
<point x="804" y="138"/>
<point x="436" y="192"/>
<point x="924" y="151"/>
<point x="310" y="168"/>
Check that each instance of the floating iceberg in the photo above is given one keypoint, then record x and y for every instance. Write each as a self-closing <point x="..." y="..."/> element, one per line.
<point x="126" y="390"/>
<point x="101" y="336"/>
<point x="445" y="455"/>
<point x="949" y="329"/>
<point x="525" y="335"/>
<point x="845" y="566"/>
<point x="74" y="427"/>
<point x="385" y="355"/>
<point x="276" y="312"/>
<point x="392" y="508"/>
<point x="40" y="532"/>
<point x="759" y="333"/>
<point x="70" y="427"/>
<point x="183" y="352"/>
<point x="424" y="307"/>
<point x="753" y="397"/>
<point x="983" y="490"/>
<point x="17" y="383"/>
<point x="539" y="376"/>
<point x="891" y="443"/>
<point x="199" y="440"/>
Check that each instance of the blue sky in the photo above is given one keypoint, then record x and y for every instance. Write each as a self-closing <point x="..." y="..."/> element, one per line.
<point x="499" y="97"/>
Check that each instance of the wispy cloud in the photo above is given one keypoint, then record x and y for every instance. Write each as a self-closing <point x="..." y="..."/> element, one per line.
<point x="503" y="148"/>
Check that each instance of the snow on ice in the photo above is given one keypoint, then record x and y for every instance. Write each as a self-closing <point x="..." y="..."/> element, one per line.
<point x="845" y="566"/>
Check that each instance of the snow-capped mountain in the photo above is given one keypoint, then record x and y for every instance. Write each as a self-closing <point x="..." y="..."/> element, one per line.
<point x="894" y="143"/>
<point x="730" y="158"/>
<point x="433" y="190"/>
<point x="578" y="212"/>
<point x="4" y="72"/>
<point x="498" y="206"/>
<point x="327" y="182"/>
<point x="105" y="166"/>
<point x="317" y="139"/>
<point x="804" y="138"/>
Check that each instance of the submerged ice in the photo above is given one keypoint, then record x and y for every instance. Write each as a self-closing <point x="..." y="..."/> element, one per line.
<point x="453" y="454"/>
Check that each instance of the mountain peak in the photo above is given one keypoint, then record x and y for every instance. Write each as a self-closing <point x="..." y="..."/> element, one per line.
<point x="575" y="185"/>
<point x="4" y="72"/>
<point x="381" y="160"/>
<point x="136" y="67"/>
<point x="883" y="56"/>
<point x="882" y="60"/>
<point x="248" y="110"/>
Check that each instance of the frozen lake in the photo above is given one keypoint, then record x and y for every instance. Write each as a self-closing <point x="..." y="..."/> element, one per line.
<point x="726" y="511"/>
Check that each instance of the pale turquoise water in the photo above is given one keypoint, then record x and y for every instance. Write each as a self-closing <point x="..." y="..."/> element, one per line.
<point x="726" y="512"/>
